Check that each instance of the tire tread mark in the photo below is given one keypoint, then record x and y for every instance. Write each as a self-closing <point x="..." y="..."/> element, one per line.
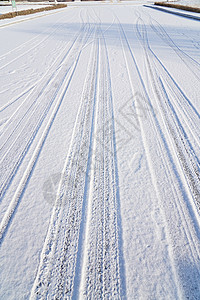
<point x="61" y="245"/>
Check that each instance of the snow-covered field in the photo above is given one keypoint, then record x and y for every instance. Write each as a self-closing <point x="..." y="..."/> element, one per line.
<point x="99" y="154"/>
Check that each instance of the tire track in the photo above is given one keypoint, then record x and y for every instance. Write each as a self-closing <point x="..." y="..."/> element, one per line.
<point x="28" y="72"/>
<point x="55" y="277"/>
<point x="40" y="102"/>
<point x="26" y="64"/>
<point x="58" y="61"/>
<point x="27" y="174"/>
<point x="20" y="51"/>
<point x="190" y="111"/>
<point x="42" y="83"/>
<point x="187" y="60"/>
<point x="50" y="72"/>
<point x="176" y="202"/>
<point x="184" y="149"/>
<point x="58" y="270"/>
<point x="101" y="268"/>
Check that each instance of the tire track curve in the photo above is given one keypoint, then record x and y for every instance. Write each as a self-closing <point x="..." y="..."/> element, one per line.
<point x="27" y="173"/>
<point x="30" y="45"/>
<point x="41" y="84"/>
<point x="187" y="154"/>
<point x="180" y="214"/>
<point x="36" y="109"/>
<point x="26" y="65"/>
<point x="190" y="62"/>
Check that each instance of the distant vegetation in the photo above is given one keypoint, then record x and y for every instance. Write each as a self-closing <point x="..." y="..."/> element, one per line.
<point x="30" y="11"/>
<point x="183" y="7"/>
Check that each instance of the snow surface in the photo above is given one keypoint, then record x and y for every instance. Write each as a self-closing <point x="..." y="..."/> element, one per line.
<point x="99" y="154"/>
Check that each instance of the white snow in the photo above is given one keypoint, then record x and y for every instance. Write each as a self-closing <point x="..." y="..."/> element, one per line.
<point x="99" y="154"/>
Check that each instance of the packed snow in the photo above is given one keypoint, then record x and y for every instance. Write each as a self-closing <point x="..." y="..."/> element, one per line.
<point x="99" y="154"/>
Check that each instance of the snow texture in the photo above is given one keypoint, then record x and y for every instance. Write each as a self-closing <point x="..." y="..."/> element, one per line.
<point x="99" y="154"/>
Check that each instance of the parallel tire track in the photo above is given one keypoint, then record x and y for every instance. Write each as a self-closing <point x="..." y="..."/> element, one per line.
<point x="101" y="267"/>
<point x="87" y="191"/>
<point x="190" y="62"/>
<point x="176" y="201"/>
<point x="55" y="277"/>
<point x="27" y="173"/>
<point x="187" y="155"/>
<point x="23" y="183"/>
<point x="37" y="89"/>
<point x="20" y="51"/>
<point x="42" y="83"/>
<point x="39" y="103"/>
<point x="9" y="83"/>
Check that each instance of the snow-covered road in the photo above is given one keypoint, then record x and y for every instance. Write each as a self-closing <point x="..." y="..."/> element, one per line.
<point x="99" y="154"/>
